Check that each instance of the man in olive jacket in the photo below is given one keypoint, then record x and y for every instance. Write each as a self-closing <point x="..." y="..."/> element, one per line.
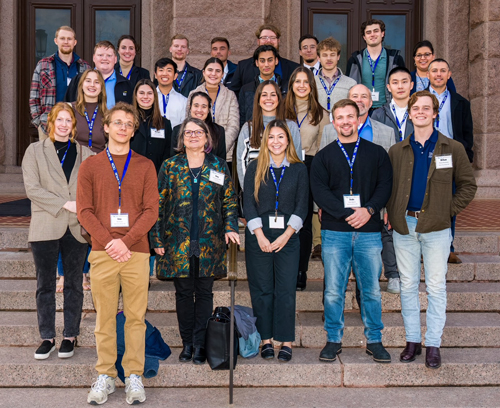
<point x="420" y="209"/>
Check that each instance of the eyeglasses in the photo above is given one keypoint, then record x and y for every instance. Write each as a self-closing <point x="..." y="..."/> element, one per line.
<point x="120" y="124"/>
<point x="426" y="55"/>
<point x="309" y="47"/>
<point x="194" y="133"/>
<point x="268" y="38"/>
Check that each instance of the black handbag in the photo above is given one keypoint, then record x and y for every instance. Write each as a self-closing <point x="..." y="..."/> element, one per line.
<point x="217" y="341"/>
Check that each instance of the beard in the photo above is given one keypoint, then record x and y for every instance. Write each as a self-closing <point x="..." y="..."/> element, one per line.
<point x="66" y="51"/>
<point x="310" y="61"/>
<point x="347" y="133"/>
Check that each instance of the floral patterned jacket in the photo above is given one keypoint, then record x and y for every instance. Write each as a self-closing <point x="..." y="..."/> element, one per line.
<point x="217" y="212"/>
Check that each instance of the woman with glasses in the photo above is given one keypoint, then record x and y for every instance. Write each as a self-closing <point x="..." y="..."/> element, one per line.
<point x="423" y="55"/>
<point x="50" y="170"/>
<point x="197" y="219"/>
<point x="224" y="109"/>
<point x="127" y="50"/>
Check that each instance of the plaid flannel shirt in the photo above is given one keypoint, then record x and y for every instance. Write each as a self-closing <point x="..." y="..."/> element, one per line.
<point x="43" y="89"/>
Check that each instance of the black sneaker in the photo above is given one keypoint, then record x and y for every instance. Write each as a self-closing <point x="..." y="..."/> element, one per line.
<point x="330" y="351"/>
<point x="378" y="353"/>
<point x="45" y="349"/>
<point x="67" y="349"/>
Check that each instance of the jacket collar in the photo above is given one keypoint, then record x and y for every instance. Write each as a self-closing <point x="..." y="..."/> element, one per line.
<point x="53" y="159"/>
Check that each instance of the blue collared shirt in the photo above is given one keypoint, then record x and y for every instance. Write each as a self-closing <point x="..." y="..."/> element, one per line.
<point x="64" y="74"/>
<point x="445" y="124"/>
<point x="422" y="162"/>
<point x="110" y="90"/>
<point x="367" y="132"/>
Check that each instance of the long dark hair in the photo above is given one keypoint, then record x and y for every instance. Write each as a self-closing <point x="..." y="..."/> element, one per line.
<point x="214" y="130"/>
<point x="257" y="121"/>
<point x="157" y="119"/>
<point x="315" y="110"/>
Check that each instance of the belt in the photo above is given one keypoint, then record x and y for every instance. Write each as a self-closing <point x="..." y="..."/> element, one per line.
<point x="415" y="214"/>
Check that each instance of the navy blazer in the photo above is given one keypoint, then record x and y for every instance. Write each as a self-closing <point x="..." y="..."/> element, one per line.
<point x="461" y="120"/>
<point x="136" y="75"/>
<point x="230" y="73"/>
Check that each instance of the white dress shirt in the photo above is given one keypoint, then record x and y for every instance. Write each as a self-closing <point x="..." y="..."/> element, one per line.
<point x="175" y="111"/>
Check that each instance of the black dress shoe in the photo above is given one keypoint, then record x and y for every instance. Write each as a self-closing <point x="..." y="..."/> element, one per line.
<point x="186" y="353"/>
<point x="411" y="351"/>
<point x="330" y="351"/>
<point x="432" y="357"/>
<point x="199" y="356"/>
<point x="267" y="351"/>
<point x="378" y="353"/>
<point x="301" y="281"/>
<point x="285" y="354"/>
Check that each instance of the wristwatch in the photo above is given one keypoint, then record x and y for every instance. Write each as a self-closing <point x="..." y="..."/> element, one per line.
<point x="370" y="210"/>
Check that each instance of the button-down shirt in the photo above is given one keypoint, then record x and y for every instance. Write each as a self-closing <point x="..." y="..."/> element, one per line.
<point x="176" y="107"/>
<point x="422" y="162"/>
<point x="226" y="71"/>
<point x="314" y="68"/>
<point x="110" y="83"/>
<point x="367" y="132"/>
<point x="445" y="124"/>
<point x="400" y="114"/>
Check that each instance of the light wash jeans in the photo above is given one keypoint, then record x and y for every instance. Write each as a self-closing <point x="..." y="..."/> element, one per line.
<point x="360" y="251"/>
<point x="435" y="248"/>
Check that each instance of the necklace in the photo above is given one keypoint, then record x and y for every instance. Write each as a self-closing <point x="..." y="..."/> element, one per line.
<point x="195" y="181"/>
<point x="65" y="146"/>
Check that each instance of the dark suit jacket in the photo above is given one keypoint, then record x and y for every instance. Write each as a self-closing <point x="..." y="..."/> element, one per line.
<point x="191" y="80"/>
<point x="230" y="73"/>
<point x="123" y="90"/>
<point x="461" y="120"/>
<point x="137" y="74"/>
<point x="246" y="71"/>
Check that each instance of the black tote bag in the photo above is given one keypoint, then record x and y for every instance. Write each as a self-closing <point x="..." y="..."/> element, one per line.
<point x="217" y="341"/>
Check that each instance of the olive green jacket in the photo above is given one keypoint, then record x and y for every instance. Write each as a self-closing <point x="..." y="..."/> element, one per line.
<point x="440" y="204"/>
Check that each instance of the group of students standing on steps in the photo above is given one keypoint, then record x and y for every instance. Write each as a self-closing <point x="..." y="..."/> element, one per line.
<point x="363" y="169"/>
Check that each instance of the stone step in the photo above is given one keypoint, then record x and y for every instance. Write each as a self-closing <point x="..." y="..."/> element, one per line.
<point x="462" y="297"/>
<point x="20" y="265"/>
<point x="283" y="397"/>
<point x="8" y="187"/>
<point x="353" y="368"/>
<point x="13" y="237"/>
<point x="11" y="178"/>
<point x="462" y="329"/>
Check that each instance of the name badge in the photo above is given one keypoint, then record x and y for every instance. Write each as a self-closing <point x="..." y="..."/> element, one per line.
<point x="119" y="220"/>
<point x="158" y="134"/>
<point x="444" y="162"/>
<point x="276" y="222"/>
<point x="374" y="96"/>
<point x="352" y="201"/>
<point x="216" y="177"/>
<point x="303" y="155"/>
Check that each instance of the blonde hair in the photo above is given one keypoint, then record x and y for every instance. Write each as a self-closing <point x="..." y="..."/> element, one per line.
<point x="80" y="99"/>
<point x="58" y="107"/>
<point x="263" y="160"/>
<point x="179" y="37"/>
<point x="65" y="28"/>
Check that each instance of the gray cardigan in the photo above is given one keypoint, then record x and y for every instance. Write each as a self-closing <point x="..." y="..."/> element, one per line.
<point x="384" y="115"/>
<point x="341" y="90"/>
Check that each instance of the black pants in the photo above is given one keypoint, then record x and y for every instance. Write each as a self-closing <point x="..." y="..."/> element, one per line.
<point x="272" y="280"/>
<point x="45" y="254"/>
<point x="194" y="301"/>
<point x="305" y="233"/>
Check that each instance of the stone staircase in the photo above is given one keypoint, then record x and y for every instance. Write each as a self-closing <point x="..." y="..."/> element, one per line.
<point x="11" y="180"/>
<point x="471" y="338"/>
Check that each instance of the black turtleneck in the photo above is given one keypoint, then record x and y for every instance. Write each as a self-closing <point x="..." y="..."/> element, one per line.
<point x="69" y="161"/>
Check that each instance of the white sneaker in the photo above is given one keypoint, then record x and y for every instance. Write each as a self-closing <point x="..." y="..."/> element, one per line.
<point x="134" y="389"/>
<point x="100" y="390"/>
<point x="394" y="286"/>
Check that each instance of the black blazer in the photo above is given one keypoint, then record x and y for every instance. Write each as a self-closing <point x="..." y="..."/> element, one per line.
<point x="461" y="120"/>
<point x="123" y="90"/>
<point x="155" y="149"/>
<point x="230" y="73"/>
<point x="219" y="151"/>
<point x="246" y="71"/>
<point x="191" y="80"/>
<point x="137" y="74"/>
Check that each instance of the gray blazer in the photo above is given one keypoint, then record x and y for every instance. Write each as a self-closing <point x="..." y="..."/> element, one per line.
<point x="382" y="135"/>
<point x="48" y="190"/>
<point x="384" y="115"/>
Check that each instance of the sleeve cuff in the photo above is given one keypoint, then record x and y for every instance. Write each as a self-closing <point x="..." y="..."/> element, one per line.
<point x="253" y="224"/>
<point x="295" y="222"/>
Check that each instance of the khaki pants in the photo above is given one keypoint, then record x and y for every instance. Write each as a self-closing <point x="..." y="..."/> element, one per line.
<point x="41" y="134"/>
<point x="316" y="230"/>
<point x="107" y="276"/>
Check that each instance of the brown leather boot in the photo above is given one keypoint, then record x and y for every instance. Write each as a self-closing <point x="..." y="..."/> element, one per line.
<point x="411" y="351"/>
<point x="432" y="357"/>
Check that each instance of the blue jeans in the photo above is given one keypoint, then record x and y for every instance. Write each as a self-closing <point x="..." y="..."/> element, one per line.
<point x="360" y="251"/>
<point x="435" y="248"/>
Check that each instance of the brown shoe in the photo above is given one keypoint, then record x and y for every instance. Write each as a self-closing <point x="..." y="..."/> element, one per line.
<point x="411" y="351"/>
<point x="316" y="253"/>
<point x="454" y="259"/>
<point x="432" y="357"/>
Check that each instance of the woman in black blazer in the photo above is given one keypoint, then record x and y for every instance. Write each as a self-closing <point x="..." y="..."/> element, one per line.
<point x="127" y="50"/>
<point x="153" y="138"/>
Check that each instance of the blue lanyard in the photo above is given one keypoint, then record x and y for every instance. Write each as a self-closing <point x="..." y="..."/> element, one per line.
<point x="373" y="67"/>
<point x="350" y="162"/>
<point x="165" y="103"/>
<point x="90" y="123"/>
<point x="65" y="153"/>
<point x="129" y="72"/>
<point x="400" y="125"/>
<point x="441" y="107"/>
<point x="329" y="90"/>
<point x="213" y="106"/>
<point x="277" y="187"/>
<point x="120" y="181"/>
<point x="299" y="124"/>
<point x="179" y="83"/>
